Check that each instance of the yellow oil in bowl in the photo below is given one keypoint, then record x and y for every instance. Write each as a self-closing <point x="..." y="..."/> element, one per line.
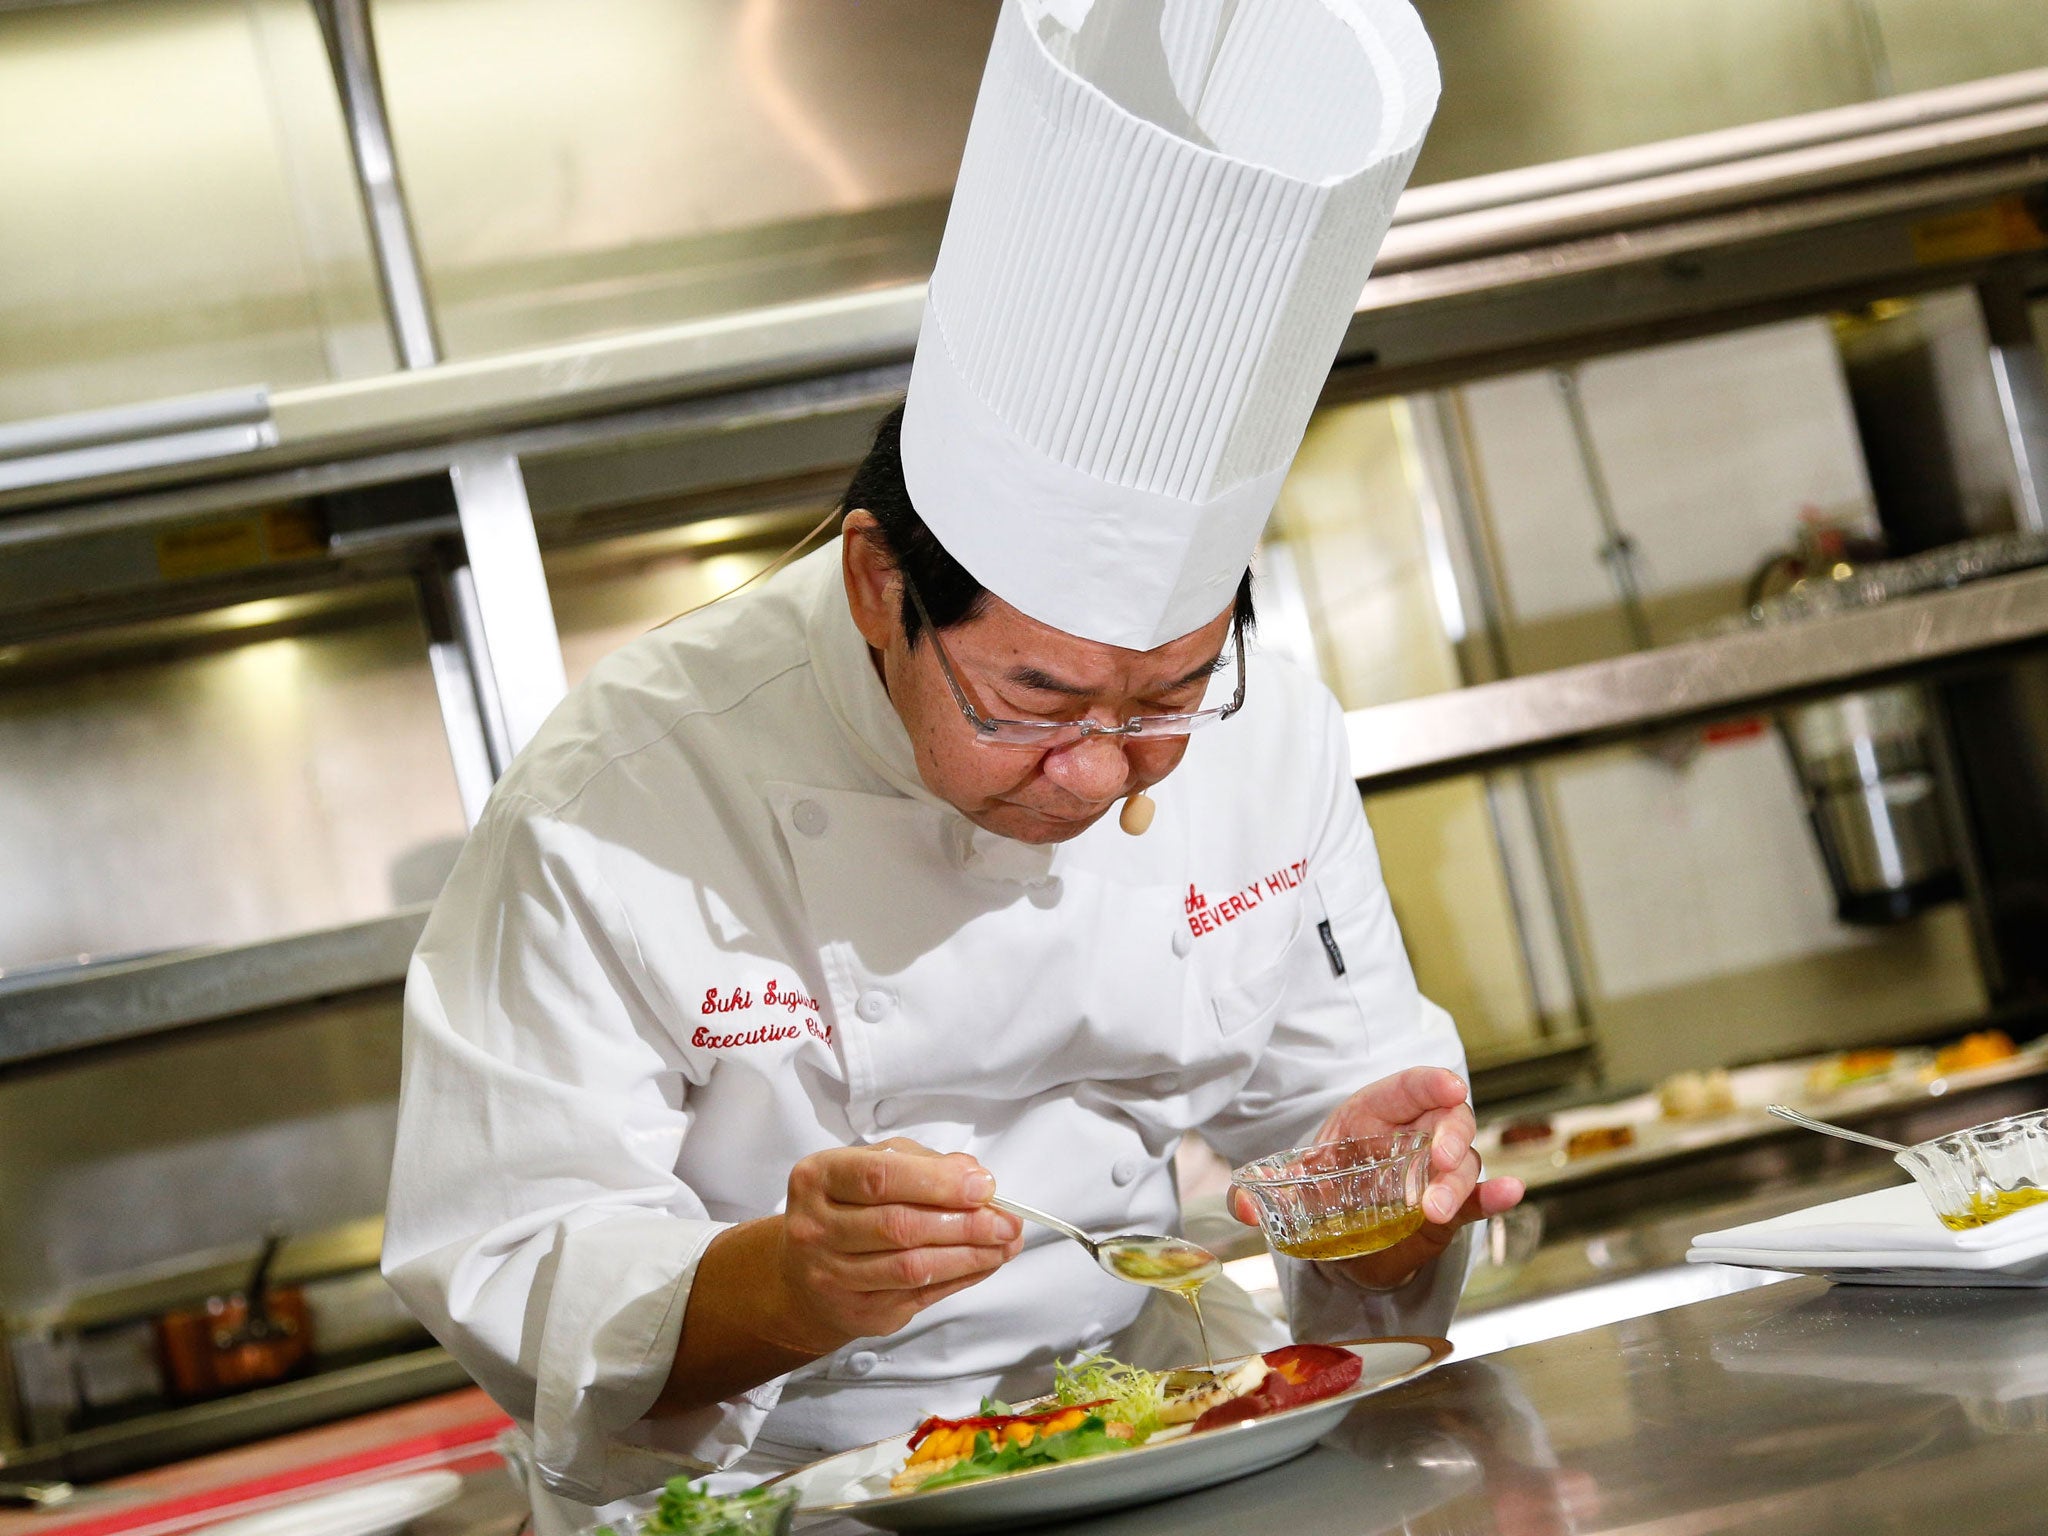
<point x="1985" y="1208"/>
<point x="1351" y="1234"/>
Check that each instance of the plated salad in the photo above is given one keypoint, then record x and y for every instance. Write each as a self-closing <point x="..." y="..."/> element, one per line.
<point x="1103" y="1407"/>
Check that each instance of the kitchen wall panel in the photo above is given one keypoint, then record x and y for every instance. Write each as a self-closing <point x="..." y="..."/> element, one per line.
<point x="179" y="214"/>
<point x="1928" y="43"/>
<point x="1530" y="81"/>
<point x="1712" y="450"/>
<point x="1708" y="924"/>
<point x="193" y="1145"/>
<point x="221" y="796"/>
<point x="1352" y="516"/>
<point x="626" y="163"/>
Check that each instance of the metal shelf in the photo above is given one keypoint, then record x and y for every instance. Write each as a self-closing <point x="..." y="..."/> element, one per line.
<point x="1414" y="741"/>
<point x="177" y="1433"/>
<point x="1493" y="725"/>
<point x="1476" y="276"/>
<point x="125" y="1003"/>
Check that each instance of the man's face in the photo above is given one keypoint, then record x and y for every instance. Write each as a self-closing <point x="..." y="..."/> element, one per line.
<point x="1015" y="668"/>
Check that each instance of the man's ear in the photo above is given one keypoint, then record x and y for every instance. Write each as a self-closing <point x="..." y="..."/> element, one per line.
<point x="870" y="579"/>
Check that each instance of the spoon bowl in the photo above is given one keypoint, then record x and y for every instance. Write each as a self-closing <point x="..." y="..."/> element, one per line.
<point x="1164" y="1263"/>
<point x="1141" y="1258"/>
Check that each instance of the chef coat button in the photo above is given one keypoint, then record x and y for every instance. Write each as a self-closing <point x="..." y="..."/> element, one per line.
<point x="1161" y="1084"/>
<point x="872" y="1005"/>
<point x="810" y="818"/>
<point x="1123" y="1170"/>
<point x="1183" y="941"/>
<point x="886" y="1112"/>
<point x="862" y="1361"/>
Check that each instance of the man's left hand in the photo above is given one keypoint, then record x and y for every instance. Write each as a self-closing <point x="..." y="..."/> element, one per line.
<point x="1430" y="1100"/>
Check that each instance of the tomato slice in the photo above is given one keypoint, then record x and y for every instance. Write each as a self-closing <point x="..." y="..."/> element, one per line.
<point x="1313" y="1371"/>
<point x="1295" y="1374"/>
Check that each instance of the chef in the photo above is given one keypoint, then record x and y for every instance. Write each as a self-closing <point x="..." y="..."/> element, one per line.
<point x="977" y="851"/>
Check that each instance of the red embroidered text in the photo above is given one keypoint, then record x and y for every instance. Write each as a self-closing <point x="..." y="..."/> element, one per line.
<point x="1206" y="914"/>
<point x="793" y="1000"/>
<point x="800" y="1006"/>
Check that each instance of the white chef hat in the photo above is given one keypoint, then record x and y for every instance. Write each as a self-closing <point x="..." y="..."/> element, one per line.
<point x="1164" y="217"/>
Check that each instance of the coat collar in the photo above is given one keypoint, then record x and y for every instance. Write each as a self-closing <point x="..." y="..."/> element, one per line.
<point x="853" y="691"/>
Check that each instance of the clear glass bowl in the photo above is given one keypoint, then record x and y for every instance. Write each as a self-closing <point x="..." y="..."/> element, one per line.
<point x="1340" y="1199"/>
<point x="765" y="1511"/>
<point x="1988" y="1171"/>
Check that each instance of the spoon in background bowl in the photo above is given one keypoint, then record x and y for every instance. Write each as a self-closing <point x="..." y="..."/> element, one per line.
<point x="1785" y="1112"/>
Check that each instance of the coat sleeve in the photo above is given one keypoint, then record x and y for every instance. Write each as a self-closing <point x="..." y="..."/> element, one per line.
<point x="535" y="1223"/>
<point x="1334" y="1032"/>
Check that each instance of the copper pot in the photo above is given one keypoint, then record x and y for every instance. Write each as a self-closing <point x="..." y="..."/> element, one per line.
<point x="245" y="1338"/>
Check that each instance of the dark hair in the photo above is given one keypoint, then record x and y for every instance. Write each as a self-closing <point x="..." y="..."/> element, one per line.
<point x="951" y="595"/>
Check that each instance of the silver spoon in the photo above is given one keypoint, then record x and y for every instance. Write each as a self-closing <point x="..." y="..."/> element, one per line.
<point x="1785" y="1113"/>
<point x="1142" y="1258"/>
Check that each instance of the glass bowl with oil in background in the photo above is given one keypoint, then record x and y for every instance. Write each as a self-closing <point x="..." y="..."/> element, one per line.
<point x="1975" y="1176"/>
<point x="1340" y="1199"/>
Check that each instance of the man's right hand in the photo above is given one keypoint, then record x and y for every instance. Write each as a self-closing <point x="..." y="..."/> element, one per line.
<point x="871" y="1236"/>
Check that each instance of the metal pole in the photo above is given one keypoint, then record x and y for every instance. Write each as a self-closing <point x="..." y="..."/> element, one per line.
<point x="495" y="653"/>
<point x="1877" y="57"/>
<point x="1467" y="500"/>
<point x="478" y="748"/>
<point x="2022" y="382"/>
<point x="518" y="651"/>
<point x="352" y="53"/>
<point x="1618" y="554"/>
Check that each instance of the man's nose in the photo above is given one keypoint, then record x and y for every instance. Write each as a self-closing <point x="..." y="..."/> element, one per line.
<point x="1092" y="768"/>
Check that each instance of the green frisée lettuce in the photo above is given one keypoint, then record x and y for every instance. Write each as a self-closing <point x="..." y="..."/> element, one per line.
<point x="1091" y="1437"/>
<point x="1121" y="1393"/>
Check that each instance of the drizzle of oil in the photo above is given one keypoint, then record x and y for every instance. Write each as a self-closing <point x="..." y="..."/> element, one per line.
<point x="1193" y="1294"/>
<point x="1988" y="1208"/>
<point x="1180" y="1268"/>
<point x="1351" y="1234"/>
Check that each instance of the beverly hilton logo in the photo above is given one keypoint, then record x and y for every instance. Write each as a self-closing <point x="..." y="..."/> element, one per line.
<point x="1206" y="915"/>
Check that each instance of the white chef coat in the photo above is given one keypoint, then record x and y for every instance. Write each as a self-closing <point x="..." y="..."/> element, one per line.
<point x="712" y="921"/>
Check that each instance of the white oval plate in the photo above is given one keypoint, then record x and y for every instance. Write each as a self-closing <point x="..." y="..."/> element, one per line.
<point x="374" y="1510"/>
<point x="856" y="1482"/>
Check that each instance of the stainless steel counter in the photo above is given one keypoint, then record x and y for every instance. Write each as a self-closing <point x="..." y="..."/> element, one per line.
<point x="1799" y="1407"/>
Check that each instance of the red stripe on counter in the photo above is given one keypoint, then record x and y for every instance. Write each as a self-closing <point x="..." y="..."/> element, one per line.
<point x="460" y="1448"/>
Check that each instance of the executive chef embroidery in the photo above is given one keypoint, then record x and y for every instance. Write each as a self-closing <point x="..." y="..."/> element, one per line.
<point x="800" y="1006"/>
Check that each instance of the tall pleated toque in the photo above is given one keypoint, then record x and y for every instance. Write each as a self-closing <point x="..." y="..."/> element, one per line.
<point x="1164" y="217"/>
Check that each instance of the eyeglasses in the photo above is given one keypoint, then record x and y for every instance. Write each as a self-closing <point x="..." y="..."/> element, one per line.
<point x="1046" y="734"/>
